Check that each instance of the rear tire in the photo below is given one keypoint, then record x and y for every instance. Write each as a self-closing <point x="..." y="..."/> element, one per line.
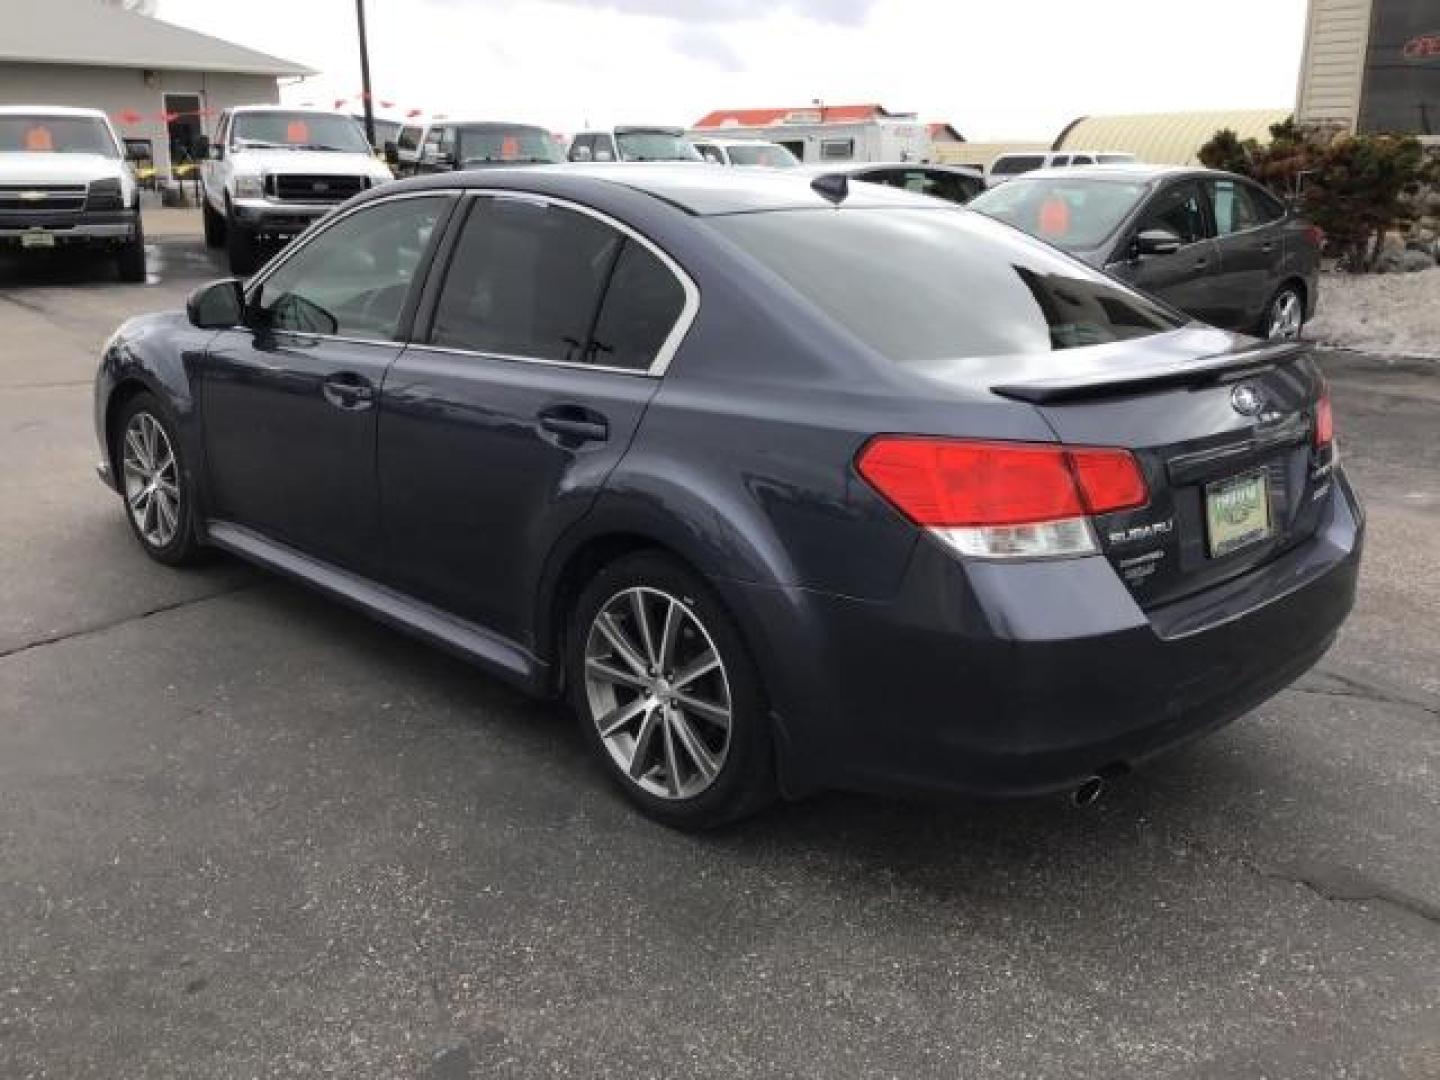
<point x="130" y="260"/>
<point x="214" y="223"/>
<point x="692" y="751"/>
<point x="241" y="248"/>
<point x="154" y="482"/>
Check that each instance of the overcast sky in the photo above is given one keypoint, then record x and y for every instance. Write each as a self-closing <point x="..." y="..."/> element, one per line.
<point x="994" y="68"/>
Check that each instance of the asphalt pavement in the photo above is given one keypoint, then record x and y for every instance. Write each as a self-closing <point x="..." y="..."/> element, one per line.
<point x="245" y="832"/>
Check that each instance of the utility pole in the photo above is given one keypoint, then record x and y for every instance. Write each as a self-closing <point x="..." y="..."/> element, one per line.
<point x="365" y="74"/>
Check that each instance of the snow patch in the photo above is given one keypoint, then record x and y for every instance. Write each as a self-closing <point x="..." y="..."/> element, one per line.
<point x="1386" y="314"/>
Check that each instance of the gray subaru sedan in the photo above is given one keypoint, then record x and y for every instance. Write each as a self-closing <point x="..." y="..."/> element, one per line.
<point x="782" y="484"/>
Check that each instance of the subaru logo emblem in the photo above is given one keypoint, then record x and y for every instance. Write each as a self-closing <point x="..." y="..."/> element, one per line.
<point x="1247" y="399"/>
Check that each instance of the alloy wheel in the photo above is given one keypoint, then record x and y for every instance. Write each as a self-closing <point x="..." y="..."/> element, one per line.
<point x="1286" y="317"/>
<point x="152" y="480"/>
<point x="658" y="692"/>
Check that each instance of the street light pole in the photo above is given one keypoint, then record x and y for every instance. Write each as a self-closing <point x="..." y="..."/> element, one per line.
<point x="365" y="74"/>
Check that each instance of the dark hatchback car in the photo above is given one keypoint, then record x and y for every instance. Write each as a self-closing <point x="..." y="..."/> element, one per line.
<point x="1211" y="243"/>
<point x="772" y="513"/>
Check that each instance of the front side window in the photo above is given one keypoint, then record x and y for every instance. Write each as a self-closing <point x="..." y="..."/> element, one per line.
<point x="525" y="281"/>
<point x="41" y="134"/>
<point x="1075" y="214"/>
<point x="1180" y="210"/>
<point x="352" y="280"/>
<point x="952" y="285"/>
<point x="283" y="130"/>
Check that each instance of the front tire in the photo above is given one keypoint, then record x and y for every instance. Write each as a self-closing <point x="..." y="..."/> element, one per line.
<point x="667" y="695"/>
<point x="130" y="260"/>
<point x="154" y="482"/>
<point x="214" y="223"/>
<point x="1284" y="315"/>
<point x="241" y="248"/>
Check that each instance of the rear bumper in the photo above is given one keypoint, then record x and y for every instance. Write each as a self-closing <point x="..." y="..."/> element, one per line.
<point x="1013" y="679"/>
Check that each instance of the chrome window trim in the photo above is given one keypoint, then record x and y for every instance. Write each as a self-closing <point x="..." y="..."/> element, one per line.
<point x="663" y="356"/>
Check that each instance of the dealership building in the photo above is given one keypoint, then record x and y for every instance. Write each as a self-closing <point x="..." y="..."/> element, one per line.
<point x="1372" y="65"/>
<point x="159" y="83"/>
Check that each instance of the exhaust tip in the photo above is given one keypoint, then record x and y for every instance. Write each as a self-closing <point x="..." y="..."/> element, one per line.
<point x="1088" y="792"/>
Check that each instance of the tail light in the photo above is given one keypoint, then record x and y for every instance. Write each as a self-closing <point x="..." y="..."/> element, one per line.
<point x="1003" y="500"/>
<point x="1324" y="421"/>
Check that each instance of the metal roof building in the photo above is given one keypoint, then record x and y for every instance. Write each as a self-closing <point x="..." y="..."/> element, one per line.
<point x="157" y="81"/>
<point x="1165" y="138"/>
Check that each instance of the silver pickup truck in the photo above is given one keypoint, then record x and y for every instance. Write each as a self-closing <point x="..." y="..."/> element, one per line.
<point x="64" y="182"/>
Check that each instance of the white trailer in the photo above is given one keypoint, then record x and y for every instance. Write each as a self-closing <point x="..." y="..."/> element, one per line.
<point x="813" y="141"/>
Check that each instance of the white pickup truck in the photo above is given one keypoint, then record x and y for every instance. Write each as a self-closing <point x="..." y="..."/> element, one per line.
<point x="272" y="170"/>
<point x="64" y="182"/>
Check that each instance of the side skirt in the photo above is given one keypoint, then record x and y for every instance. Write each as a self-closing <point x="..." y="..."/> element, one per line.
<point x="495" y="653"/>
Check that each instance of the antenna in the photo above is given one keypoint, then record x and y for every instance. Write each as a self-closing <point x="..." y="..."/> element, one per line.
<point x="832" y="186"/>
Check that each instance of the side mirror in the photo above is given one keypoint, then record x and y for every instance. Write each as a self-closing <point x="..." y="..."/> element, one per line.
<point x="392" y="154"/>
<point x="215" y="152"/>
<point x="1156" y="242"/>
<point x="217" y="306"/>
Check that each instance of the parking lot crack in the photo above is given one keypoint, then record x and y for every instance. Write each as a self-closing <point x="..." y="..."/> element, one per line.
<point x="101" y="627"/>
<point x="1343" y="884"/>
<point x="1349" y="686"/>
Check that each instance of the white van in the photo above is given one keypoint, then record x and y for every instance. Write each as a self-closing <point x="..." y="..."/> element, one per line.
<point x="1009" y="165"/>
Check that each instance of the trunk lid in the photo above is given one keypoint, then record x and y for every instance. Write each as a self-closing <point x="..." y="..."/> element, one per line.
<point x="1226" y="440"/>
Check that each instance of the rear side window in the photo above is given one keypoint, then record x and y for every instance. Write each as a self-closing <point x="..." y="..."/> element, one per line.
<point x="953" y="284"/>
<point x="642" y="304"/>
<point x="525" y="281"/>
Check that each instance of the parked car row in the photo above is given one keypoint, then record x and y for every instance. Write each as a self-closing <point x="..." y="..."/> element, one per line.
<point x="1215" y="246"/>
<point x="783" y="482"/>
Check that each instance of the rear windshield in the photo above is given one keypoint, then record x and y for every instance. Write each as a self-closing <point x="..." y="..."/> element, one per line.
<point x="951" y="283"/>
<point x="56" y="135"/>
<point x="1009" y="166"/>
<point x="510" y="144"/>
<point x="1072" y="214"/>
<point x="655" y="146"/>
<point x="774" y="157"/>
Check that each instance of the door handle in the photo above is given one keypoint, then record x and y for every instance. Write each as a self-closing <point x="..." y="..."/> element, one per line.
<point x="1201" y="264"/>
<point x="347" y="390"/>
<point x="1267" y="248"/>
<point x="574" y="424"/>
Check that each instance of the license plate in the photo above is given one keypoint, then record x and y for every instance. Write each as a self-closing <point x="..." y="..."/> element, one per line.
<point x="37" y="238"/>
<point x="1237" y="512"/>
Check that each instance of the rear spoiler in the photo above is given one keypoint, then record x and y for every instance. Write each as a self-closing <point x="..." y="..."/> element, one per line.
<point x="1222" y="367"/>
